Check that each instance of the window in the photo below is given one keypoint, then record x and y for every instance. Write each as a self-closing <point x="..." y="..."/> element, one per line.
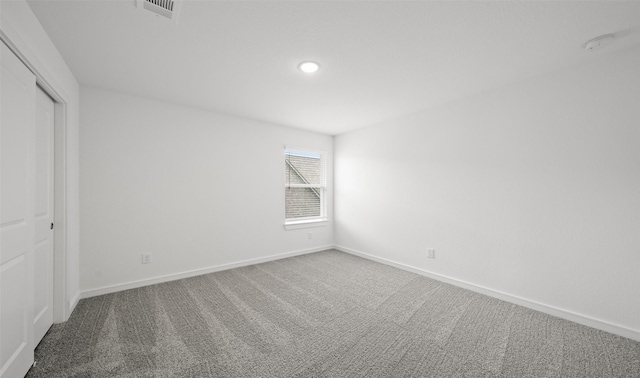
<point x="305" y="186"/>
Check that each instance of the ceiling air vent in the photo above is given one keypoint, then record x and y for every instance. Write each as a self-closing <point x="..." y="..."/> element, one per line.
<point x="164" y="8"/>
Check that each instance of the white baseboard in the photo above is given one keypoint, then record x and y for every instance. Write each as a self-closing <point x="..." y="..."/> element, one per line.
<point x="551" y="310"/>
<point x="196" y="272"/>
<point x="73" y="303"/>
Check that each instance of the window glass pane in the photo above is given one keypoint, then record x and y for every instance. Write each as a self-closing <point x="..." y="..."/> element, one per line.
<point x="303" y="168"/>
<point x="302" y="202"/>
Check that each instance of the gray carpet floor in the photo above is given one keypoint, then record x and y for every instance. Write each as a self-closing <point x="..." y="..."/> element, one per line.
<point x="326" y="314"/>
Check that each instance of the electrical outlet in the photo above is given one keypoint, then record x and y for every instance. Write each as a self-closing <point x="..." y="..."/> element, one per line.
<point x="310" y="235"/>
<point x="431" y="253"/>
<point x="146" y="258"/>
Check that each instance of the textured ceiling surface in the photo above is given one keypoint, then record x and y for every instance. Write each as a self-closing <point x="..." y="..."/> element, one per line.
<point x="379" y="59"/>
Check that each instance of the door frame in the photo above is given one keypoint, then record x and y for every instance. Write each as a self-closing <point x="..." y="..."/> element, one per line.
<point x="62" y="306"/>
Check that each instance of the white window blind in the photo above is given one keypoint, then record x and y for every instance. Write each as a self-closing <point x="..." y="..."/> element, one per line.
<point x="305" y="185"/>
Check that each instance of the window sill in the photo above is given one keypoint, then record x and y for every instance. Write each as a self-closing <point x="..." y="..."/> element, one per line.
<point x="296" y="225"/>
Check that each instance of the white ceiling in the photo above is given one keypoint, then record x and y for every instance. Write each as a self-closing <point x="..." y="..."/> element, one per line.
<point x="379" y="59"/>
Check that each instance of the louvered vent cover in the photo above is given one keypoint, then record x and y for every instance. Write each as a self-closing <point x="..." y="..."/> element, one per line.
<point x="164" y="8"/>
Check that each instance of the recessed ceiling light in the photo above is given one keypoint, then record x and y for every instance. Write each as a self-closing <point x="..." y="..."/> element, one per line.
<point x="309" y="67"/>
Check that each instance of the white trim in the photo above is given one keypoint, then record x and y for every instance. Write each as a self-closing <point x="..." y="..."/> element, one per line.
<point x="547" y="309"/>
<point x="195" y="272"/>
<point x="312" y="186"/>
<point x="73" y="302"/>
<point x="309" y="223"/>
<point x="55" y="88"/>
<point x="60" y="210"/>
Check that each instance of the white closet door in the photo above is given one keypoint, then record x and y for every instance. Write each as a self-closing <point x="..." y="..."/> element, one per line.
<point x="17" y="142"/>
<point x="43" y="250"/>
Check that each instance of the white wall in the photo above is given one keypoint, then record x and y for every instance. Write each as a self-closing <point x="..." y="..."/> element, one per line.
<point x="196" y="189"/>
<point x="532" y="190"/>
<point x="21" y="29"/>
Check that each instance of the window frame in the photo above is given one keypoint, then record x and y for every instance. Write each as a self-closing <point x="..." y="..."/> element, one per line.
<point x="314" y="221"/>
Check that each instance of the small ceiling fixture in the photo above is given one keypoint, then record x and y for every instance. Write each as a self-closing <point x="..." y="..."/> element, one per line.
<point x="599" y="42"/>
<point x="309" y="67"/>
